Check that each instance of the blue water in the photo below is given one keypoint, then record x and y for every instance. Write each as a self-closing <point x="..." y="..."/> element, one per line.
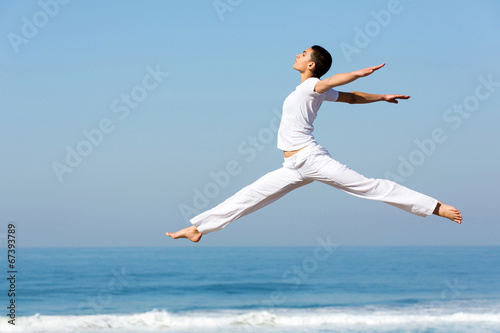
<point x="243" y="289"/>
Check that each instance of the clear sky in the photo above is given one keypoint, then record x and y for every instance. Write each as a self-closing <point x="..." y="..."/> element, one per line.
<point x="119" y="119"/>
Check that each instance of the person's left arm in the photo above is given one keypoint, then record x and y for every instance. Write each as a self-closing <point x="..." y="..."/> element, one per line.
<point x="343" y="78"/>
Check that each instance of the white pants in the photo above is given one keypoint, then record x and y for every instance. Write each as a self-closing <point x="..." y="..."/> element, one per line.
<point x="310" y="164"/>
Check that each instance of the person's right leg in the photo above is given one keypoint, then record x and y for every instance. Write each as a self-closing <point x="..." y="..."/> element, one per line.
<point x="448" y="211"/>
<point x="329" y="171"/>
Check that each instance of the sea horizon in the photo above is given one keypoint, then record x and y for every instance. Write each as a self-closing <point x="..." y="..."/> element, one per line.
<point x="327" y="288"/>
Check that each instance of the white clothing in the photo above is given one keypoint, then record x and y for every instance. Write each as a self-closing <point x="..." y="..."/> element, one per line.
<point x="299" y="111"/>
<point x="310" y="164"/>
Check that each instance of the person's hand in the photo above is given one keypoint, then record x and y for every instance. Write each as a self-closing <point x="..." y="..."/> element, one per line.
<point x="394" y="98"/>
<point x="367" y="71"/>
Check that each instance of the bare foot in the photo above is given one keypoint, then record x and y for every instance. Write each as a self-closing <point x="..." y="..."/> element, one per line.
<point x="449" y="212"/>
<point x="190" y="233"/>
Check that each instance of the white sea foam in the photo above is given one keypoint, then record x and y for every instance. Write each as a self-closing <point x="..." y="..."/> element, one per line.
<point x="254" y="320"/>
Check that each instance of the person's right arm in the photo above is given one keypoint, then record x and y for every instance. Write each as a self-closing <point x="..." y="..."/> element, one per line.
<point x="357" y="97"/>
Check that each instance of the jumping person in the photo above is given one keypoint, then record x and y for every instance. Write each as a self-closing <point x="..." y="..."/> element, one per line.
<point x="307" y="161"/>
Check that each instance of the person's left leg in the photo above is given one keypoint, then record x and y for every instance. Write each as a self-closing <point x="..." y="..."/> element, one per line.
<point x="190" y="233"/>
<point x="249" y="199"/>
<point x="257" y="195"/>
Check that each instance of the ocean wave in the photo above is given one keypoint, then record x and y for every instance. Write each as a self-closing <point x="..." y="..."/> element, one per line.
<point x="246" y="320"/>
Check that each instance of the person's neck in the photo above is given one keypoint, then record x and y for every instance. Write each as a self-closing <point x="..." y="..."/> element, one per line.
<point x="305" y="75"/>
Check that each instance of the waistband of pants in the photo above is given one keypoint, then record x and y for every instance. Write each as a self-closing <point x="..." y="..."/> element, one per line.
<point x="304" y="151"/>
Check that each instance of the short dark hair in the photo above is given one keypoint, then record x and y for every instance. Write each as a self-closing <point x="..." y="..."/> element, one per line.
<point x="322" y="59"/>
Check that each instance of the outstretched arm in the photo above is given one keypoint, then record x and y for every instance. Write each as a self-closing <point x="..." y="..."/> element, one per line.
<point x="343" y="78"/>
<point x="357" y="97"/>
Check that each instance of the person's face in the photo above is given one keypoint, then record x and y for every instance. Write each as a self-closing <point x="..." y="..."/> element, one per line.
<point x="303" y="61"/>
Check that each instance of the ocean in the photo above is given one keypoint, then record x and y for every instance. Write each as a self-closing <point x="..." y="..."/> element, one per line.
<point x="324" y="288"/>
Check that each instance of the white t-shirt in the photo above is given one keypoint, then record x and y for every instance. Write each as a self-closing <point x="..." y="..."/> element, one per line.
<point x="299" y="111"/>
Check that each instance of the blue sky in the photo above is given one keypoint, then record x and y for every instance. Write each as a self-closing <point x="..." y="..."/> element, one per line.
<point x="117" y="116"/>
